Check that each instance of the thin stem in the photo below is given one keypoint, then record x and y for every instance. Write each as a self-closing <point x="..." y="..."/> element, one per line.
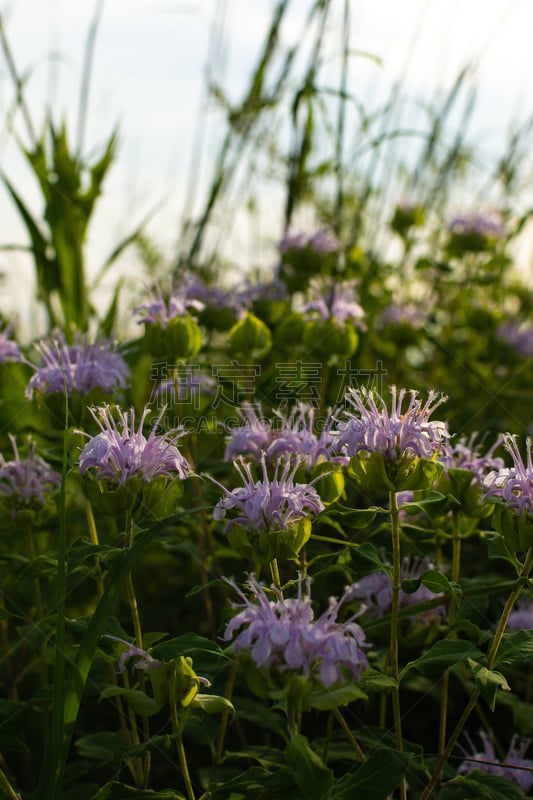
<point x="456" y="566"/>
<point x="132" y="599"/>
<point x="137" y="629"/>
<point x="224" y="719"/>
<point x="30" y="546"/>
<point x="394" y="659"/>
<point x="349" y="735"/>
<point x="93" y="535"/>
<point x="7" y="786"/>
<point x="474" y="697"/>
<point x="177" y="728"/>
<point x="274" y="570"/>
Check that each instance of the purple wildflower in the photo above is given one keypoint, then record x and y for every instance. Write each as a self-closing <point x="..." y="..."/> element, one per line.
<point x="370" y="427"/>
<point x="9" y="350"/>
<point x="79" y="367"/>
<point x="160" y="310"/>
<point x="514" y="766"/>
<point x="375" y="592"/>
<point x="521" y="619"/>
<point x="270" y="504"/>
<point x="518" y="337"/>
<point x="271" y="290"/>
<point x="514" y="485"/>
<point x="465" y="454"/>
<point x="402" y="315"/>
<point x="252" y="437"/>
<point x="322" y="242"/>
<point x="297" y="437"/>
<point x="283" y="635"/>
<point x="337" y="302"/>
<point x="483" y="225"/>
<point x="120" y="451"/>
<point x="26" y="482"/>
<point x="145" y="661"/>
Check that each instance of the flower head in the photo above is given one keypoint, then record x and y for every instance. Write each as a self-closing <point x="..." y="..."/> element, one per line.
<point x="161" y="310"/>
<point x="518" y="337"/>
<point x="521" y="618"/>
<point x="145" y="661"/>
<point x="514" y="766"/>
<point x="466" y="454"/>
<point x="298" y="437"/>
<point x="375" y="592"/>
<point x="372" y="428"/>
<point x="252" y="437"/>
<point x="26" y="482"/>
<point x="482" y="225"/>
<point x="322" y="242"/>
<point x="269" y="504"/>
<point x="79" y="367"/>
<point x="9" y="350"/>
<point x="514" y="485"/>
<point x="338" y="303"/>
<point x="283" y="635"/>
<point x="121" y="451"/>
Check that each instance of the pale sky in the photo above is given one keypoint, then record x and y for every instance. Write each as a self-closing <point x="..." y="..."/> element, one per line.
<point x="149" y="77"/>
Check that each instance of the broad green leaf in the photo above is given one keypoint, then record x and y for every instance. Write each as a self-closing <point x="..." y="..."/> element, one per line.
<point x="121" y="791"/>
<point x="516" y="648"/>
<point x="477" y="785"/>
<point x="487" y="681"/>
<point x="436" y="582"/>
<point x="443" y="655"/>
<point x="376" y="778"/>
<point x="367" y="559"/>
<point x="212" y="704"/>
<point x="139" y="701"/>
<point x="310" y="775"/>
<point x="353" y="517"/>
<point x="433" y="505"/>
<point x="326" y="699"/>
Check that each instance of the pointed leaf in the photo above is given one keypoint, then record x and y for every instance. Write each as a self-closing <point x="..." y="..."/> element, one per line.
<point x="310" y="775"/>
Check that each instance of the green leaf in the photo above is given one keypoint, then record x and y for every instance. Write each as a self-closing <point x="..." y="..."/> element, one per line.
<point x="376" y="778"/>
<point x="139" y="701"/>
<point x="497" y="548"/>
<point x="353" y="517"/>
<point x="367" y="560"/>
<point x="121" y="791"/>
<point x="443" y="655"/>
<point x="479" y="785"/>
<point x="327" y="699"/>
<point x="212" y="704"/>
<point x="436" y="582"/>
<point x="433" y="505"/>
<point x="487" y="681"/>
<point x="310" y="775"/>
<point x="516" y="648"/>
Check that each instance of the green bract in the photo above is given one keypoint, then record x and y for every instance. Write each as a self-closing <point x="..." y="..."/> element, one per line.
<point x="371" y="471"/>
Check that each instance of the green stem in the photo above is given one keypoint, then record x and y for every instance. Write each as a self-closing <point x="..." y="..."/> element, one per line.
<point x="349" y="735"/>
<point x="137" y="629"/>
<point x="177" y="728"/>
<point x="456" y="566"/>
<point x="130" y="590"/>
<point x="93" y="535"/>
<point x="394" y="646"/>
<point x="474" y="697"/>
<point x="224" y="719"/>
<point x="30" y="546"/>
<point x="7" y="786"/>
<point x="274" y="570"/>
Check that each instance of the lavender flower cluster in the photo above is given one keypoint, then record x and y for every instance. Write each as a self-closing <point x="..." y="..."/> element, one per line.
<point x="121" y="450"/>
<point x="283" y="635"/>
